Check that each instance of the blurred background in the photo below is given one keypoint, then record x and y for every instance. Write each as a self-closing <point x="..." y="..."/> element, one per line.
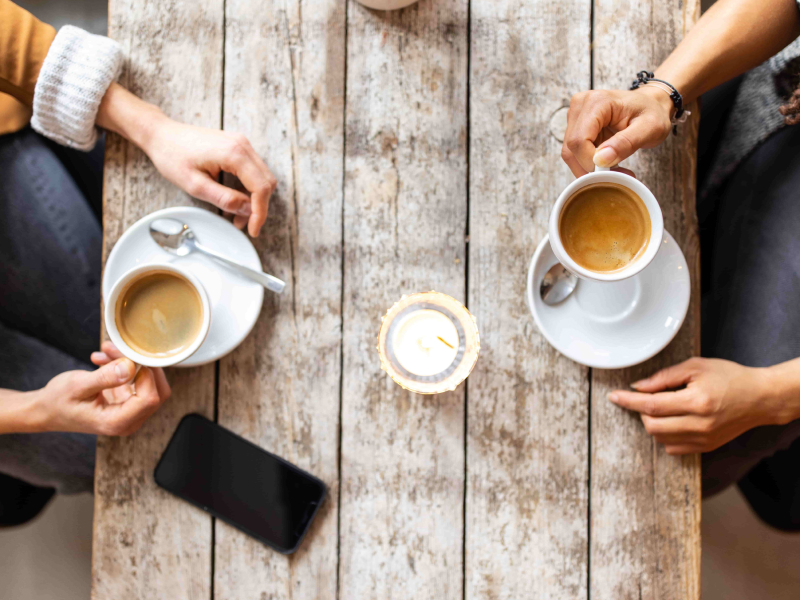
<point x="743" y="559"/>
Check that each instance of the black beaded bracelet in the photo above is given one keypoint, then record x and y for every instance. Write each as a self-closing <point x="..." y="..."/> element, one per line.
<point x="644" y="77"/>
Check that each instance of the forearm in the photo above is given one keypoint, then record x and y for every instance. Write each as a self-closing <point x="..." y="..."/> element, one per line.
<point x="782" y="391"/>
<point x="128" y="115"/>
<point x="19" y="412"/>
<point x="732" y="37"/>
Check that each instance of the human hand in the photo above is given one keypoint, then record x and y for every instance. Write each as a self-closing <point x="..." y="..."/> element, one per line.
<point x="605" y="127"/>
<point x="192" y="157"/>
<point x="721" y="400"/>
<point x="102" y="401"/>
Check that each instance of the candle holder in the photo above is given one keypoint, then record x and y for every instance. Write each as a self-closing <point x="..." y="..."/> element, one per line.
<point x="428" y="343"/>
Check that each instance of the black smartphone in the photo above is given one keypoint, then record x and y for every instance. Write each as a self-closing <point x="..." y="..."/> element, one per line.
<point x="239" y="483"/>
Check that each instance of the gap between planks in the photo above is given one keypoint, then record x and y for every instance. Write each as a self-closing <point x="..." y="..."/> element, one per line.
<point x="341" y="320"/>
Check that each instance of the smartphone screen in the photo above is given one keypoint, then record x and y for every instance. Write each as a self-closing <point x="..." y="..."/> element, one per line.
<point x="241" y="484"/>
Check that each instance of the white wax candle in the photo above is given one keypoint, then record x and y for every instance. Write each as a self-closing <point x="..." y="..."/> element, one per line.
<point x="426" y="342"/>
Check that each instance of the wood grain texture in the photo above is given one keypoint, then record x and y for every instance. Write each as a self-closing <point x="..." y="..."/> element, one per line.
<point x="527" y="405"/>
<point x="645" y="505"/>
<point x="405" y="218"/>
<point x="147" y="543"/>
<point x="284" y="89"/>
<point x="375" y="170"/>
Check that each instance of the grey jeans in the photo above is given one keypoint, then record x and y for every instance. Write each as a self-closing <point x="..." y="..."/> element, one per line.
<point x="50" y="252"/>
<point x="751" y="313"/>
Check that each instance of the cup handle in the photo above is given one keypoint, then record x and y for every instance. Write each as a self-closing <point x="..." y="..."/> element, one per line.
<point x="598" y="169"/>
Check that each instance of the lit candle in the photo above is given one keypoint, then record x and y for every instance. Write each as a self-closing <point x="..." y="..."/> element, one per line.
<point x="428" y="343"/>
<point x="425" y="342"/>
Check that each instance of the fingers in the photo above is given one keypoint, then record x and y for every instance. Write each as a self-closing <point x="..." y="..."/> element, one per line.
<point x="113" y="374"/>
<point x="240" y="222"/>
<point x="622" y="144"/>
<point x="202" y="186"/>
<point x="656" y="405"/>
<point x="127" y="417"/>
<point x="261" y="196"/>
<point x="669" y="378"/>
<point x="99" y="358"/>
<point x="110" y="351"/>
<point x="589" y="114"/>
<point x="693" y="433"/>
<point x="572" y="162"/>
<point x="108" y="348"/>
<point x="671" y="428"/>
<point x="570" y="137"/>
<point x="606" y="127"/>
<point x="680" y="449"/>
<point x="684" y="421"/>
<point x="242" y="160"/>
<point x="162" y="385"/>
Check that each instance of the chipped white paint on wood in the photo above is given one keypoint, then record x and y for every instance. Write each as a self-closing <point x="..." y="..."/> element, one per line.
<point x="147" y="543"/>
<point x="284" y="89"/>
<point x="645" y="505"/>
<point x="527" y="444"/>
<point x="405" y="218"/>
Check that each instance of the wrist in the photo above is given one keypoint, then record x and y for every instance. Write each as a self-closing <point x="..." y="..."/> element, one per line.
<point x="779" y="393"/>
<point x="683" y="81"/>
<point x="143" y="131"/>
<point x="661" y="96"/>
<point x="22" y="412"/>
<point x="131" y="117"/>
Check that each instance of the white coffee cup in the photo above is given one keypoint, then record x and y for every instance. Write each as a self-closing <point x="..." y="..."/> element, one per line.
<point x="115" y="296"/>
<point x="387" y="4"/>
<point x="601" y="175"/>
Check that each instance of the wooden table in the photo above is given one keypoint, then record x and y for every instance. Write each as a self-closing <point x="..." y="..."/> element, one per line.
<point x="414" y="150"/>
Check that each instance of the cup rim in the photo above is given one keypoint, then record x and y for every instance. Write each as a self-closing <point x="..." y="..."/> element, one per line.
<point x="653" y="209"/>
<point x="111" y="324"/>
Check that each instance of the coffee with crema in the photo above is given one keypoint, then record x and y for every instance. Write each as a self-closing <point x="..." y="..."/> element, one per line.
<point x="604" y="227"/>
<point x="159" y="314"/>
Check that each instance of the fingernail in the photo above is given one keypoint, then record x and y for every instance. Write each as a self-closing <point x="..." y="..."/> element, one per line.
<point x="122" y="369"/>
<point x="635" y="385"/>
<point x="613" y="397"/>
<point x="245" y="210"/>
<point x="605" y="157"/>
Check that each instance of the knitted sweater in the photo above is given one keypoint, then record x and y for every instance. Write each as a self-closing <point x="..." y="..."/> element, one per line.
<point x="754" y="116"/>
<point x="74" y="77"/>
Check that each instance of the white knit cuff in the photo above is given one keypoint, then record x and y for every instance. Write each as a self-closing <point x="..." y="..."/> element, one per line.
<point x="74" y="77"/>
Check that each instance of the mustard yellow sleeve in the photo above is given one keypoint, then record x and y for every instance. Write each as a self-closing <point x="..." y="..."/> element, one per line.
<point x="24" y="43"/>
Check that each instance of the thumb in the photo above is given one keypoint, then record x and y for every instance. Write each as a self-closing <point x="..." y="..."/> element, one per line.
<point x="669" y="378"/>
<point x="111" y="375"/>
<point x="641" y="133"/>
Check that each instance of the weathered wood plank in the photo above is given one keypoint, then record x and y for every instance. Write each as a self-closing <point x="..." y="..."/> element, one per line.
<point x="405" y="218"/>
<point x="148" y="544"/>
<point x="527" y="445"/>
<point x="645" y="505"/>
<point x="284" y="89"/>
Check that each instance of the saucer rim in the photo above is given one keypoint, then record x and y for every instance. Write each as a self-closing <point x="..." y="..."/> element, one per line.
<point x="622" y="365"/>
<point x="188" y="363"/>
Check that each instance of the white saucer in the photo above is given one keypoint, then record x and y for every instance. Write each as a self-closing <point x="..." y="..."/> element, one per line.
<point x="235" y="301"/>
<point x="614" y="325"/>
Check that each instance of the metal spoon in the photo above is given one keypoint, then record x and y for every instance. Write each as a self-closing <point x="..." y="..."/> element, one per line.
<point x="557" y="285"/>
<point x="177" y="238"/>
